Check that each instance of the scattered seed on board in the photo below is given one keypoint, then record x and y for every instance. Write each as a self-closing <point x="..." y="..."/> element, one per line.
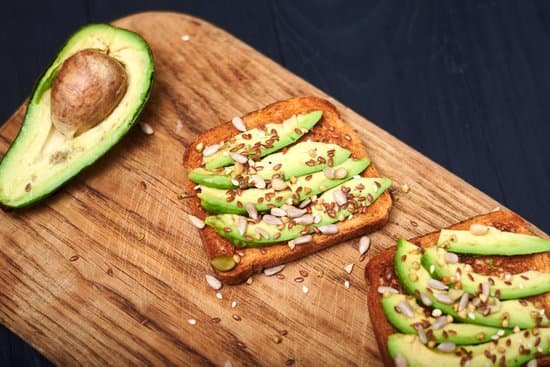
<point x="140" y="236"/>
<point x="346" y="284"/>
<point x="185" y="38"/>
<point x="274" y="270"/>
<point x="227" y="364"/>
<point x="364" y="245"/>
<point x="197" y="222"/>
<point x="305" y="289"/>
<point x="74" y="258"/>
<point x="238" y="123"/>
<point x="233" y="304"/>
<point x="348" y="268"/>
<point x="277" y="339"/>
<point x="405" y="188"/>
<point x="219" y="295"/>
<point x="213" y="282"/>
<point x="192" y="322"/>
<point x="146" y="128"/>
<point x="236" y="317"/>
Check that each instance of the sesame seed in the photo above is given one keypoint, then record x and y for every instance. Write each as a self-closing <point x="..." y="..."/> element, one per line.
<point x="185" y="38"/>
<point x="192" y="322"/>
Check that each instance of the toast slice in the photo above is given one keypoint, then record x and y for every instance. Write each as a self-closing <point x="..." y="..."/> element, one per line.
<point x="380" y="271"/>
<point x="330" y="129"/>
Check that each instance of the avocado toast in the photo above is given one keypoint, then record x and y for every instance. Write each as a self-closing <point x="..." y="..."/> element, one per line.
<point x="255" y="222"/>
<point x="494" y="311"/>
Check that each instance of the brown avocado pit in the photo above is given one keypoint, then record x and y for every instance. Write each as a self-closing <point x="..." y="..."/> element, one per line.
<point x="87" y="88"/>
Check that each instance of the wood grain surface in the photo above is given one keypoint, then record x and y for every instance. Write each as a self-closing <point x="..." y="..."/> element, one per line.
<point x="109" y="270"/>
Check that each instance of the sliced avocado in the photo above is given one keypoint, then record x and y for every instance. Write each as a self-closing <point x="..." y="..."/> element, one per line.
<point x="261" y="233"/>
<point x="460" y="334"/>
<point x="510" y="351"/>
<point x="42" y="158"/>
<point x="514" y="286"/>
<point x="301" y="159"/>
<point x="230" y="202"/>
<point x="414" y="279"/>
<point x="494" y="242"/>
<point x="261" y="142"/>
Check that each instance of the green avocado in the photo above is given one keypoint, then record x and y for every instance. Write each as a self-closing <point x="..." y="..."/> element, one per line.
<point x="301" y="159"/>
<point x="41" y="158"/>
<point x="260" y="142"/>
<point x="494" y="242"/>
<point x="260" y="233"/>
<point x="510" y="351"/>
<point x="415" y="279"/>
<point x="233" y="202"/>
<point x="460" y="334"/>
<point x="514" y="286"/>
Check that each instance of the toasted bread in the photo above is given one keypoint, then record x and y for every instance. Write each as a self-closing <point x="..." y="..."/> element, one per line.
<point x="380" y="271"/>
<point x="331" y="129"/>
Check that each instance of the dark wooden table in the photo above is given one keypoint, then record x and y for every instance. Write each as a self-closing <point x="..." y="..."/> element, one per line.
<point x="465" y="83"/>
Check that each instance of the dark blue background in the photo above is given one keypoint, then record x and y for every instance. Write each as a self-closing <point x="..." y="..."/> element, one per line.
<point x="464" y="82"/>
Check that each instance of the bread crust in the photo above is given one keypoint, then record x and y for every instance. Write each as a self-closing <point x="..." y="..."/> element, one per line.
<point x="380" y="271"/>
<point x="331" y="129"/>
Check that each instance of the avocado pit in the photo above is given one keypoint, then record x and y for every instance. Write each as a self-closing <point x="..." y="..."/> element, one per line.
<point x="87" y="88"/>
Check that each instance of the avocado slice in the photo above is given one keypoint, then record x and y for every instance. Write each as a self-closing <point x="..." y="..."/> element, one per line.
<point x="260" y="142"/>
<point x="494" y="242"/>
<point x="460" y="334"/>
<point x="41" y="158"/>
<point x="510" y="351"/>
<point x="514" y="286"/>
<point x="227" y="224"/>
<point x="230" y="202"/>
<point x="301" y="159"/>
<point x="415" y="279"/>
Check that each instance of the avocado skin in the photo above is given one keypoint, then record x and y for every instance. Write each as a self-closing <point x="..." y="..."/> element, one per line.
<point x="418" y="355"/>
<point x="214" y="200"/>
<point x="536" y="283"/>
<point x="222" y="221"/>
<point x="304" y="121"/>
<point x="519" y="315"/>
<point x="202" y="176"/>
<point x="466" y="334"/>
<point x="43" y="83"/>
<point x="495" y="242"/>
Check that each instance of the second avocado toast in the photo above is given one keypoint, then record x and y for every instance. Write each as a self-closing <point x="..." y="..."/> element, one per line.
<point x="309" y="176"/>
<point x="431" y="305"/>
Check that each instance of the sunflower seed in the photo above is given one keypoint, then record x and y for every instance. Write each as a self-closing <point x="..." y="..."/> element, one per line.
<point x="262" y="232"/>
<point x="346" y="284"/>
<point x="400" y="361"/>
<point x="304" y="219"/>
<point x="451" y="258"/>
<point x="227" y="364"/>
<point x="329" y="172"/>
<point x="340" y="173"/>
<point x="213" y="282"/>
<point x="348" y="268"/>
<point x="291" y="244"/>
<point x="293" y="212"/>
<point x="278" y="212"/>
<point x="258" y="181"/>
<point x="422" y="334"/>
<point x="238" y="123"/>
<point x="387" y="290"/>
<point x="339" y="197"/>
<point x="463" y="302"/>
<point x="328" y="229"/>
<point x="436" y="284"/>
<point x="425" y="299"/>
<point x="443" y="298"/>
<point x="277" y="184"/>
<point x="238" y="158"/>
<point x="447" y="347"/>
<point x="242" y="224"/>
<point x="192" y="322"/>
<point x="305" y="203"/>
<point x="316" y="218"/>
<point x="209" y="150"/>
<point x="305" y="289"/>
<point x="146" y="128"/>
<point x="406" y="309"/>
<point x="251" y="210"/>
<point x="479" y="229"/>
<point x="197" y="222"/>
<point x="303" y="239"/>
<point x="233" y="304"/>
<point x="272" y="220"/>
<point x="274" y="270"/>
<point x="440" y="322"/>
<point x="364" y="245"/>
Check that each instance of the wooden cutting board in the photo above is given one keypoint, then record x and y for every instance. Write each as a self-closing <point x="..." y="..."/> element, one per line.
<point x="109" y="270"/>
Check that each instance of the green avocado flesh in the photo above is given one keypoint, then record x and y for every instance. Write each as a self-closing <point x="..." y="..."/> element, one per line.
<point x="495" y="242"/>
<point x="415" y="279"/>
<point x="299" y="160"/>
<point x="41" y="159"/>
<point x="261" y="142"/>
<point x="460" y="334"/>
<point x="227" y="224"/>
<point x="510" y="351"/>
<point x="514" y="286"/>
<point x="219" y="201"/>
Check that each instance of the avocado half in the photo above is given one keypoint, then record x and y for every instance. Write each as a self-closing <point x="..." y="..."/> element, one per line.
<point x="41" y="159"/>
